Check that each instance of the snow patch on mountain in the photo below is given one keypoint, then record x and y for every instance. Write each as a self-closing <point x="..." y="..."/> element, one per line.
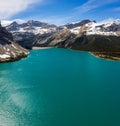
<point x="4" y="56"/>
<point x="35" y="30"/>
<point x="75" y="30"/>
<point x="99" y="29"/>
<point x="107" y="28"/>
<point x="35" y="27"/>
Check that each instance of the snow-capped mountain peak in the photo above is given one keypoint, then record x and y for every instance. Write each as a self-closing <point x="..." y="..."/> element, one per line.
<point x="104" y="28"/>
<point x="30" y="26"/>
<point x="107" y="28"/>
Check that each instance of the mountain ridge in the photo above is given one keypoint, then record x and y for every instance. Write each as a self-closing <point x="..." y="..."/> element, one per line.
<point x="85" y="35"/>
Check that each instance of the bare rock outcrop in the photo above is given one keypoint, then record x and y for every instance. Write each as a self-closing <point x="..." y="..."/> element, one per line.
<point x="9" y="50"/>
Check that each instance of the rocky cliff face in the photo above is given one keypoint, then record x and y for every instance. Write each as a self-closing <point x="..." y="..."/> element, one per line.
<point x="10" y="51"/>
<point x="101" y="43"/>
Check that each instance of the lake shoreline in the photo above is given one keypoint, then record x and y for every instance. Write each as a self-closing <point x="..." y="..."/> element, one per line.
<point x="40" y="48"/>
<point x="104" y="55"/>
<point x="107" y="55"/>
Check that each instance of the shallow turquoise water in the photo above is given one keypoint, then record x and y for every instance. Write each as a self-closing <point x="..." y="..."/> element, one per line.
<point x="60" y="87"/>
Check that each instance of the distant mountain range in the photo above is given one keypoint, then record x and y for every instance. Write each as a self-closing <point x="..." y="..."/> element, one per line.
<point x="91" y="27"/>
<point x="31" y="26"/>
<point x="85" y="35"/>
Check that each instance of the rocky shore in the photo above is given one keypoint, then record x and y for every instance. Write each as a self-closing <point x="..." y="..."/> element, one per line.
<point x="107" y="55"/>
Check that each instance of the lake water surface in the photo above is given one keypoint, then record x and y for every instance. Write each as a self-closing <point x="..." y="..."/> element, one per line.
<point x="60" y="87"/>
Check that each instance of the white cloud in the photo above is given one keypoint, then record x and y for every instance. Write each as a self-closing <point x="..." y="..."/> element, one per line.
<point x="9" y="8"/>
<point x="93" y="4"/>
<point x="80" y="10"/>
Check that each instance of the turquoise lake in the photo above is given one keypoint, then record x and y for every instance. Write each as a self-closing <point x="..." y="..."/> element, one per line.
<point x="60" y="87"/>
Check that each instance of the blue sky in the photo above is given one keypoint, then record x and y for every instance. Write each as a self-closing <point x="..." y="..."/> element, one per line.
<point x="60" y="12"/>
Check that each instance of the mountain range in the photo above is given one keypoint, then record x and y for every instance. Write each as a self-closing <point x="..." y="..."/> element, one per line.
<point x="102" y="39"/>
